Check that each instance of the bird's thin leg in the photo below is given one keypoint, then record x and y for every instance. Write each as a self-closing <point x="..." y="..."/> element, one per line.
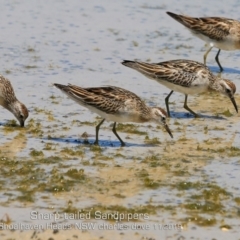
<point x="115" y="132"/>
<point x="216" y="58"/>
<point x="166" y="102"/>
<point x="205" y="55"/>
<point x="187" y="108"/>
<point x="97" y="130"/>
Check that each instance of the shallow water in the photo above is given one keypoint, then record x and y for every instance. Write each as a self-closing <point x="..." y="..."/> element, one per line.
<point x="179" y="181"/>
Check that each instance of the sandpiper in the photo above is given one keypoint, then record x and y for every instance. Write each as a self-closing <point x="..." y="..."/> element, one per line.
<point x="115" y="104"/>
<point x="219" y="32"/>
<point x="184" y="76"/>
<point x="9" y="101"/>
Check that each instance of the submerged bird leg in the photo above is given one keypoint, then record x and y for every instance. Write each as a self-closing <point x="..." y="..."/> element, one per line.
<point x="219" y="74"/>
<point x="205" y="55"/>
<point x="97" y="130"/>
<point x="216" y="58"/>
<point x="187" y="108"/>
<point x="166" y="102"/>
<point x="115" y="132"/>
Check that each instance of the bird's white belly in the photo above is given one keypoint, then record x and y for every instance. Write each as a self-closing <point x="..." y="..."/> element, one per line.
<point x="227" y="44"/>
<point x="193" y="89"/>
<point x="121" y="117"/>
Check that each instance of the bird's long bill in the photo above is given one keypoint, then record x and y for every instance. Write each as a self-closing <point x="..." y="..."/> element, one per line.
<point x="168" y="130"/>
<point x="234" y="103"/>
<point x="22" y="123"/>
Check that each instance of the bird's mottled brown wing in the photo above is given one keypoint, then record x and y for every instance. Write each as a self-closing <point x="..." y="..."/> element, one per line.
<point x="101" y="98"/>
<point x="179" y="72"/>
<point x="112" y="92"/>
<point x="213" y="27"/>
<point x="6" y="90"/>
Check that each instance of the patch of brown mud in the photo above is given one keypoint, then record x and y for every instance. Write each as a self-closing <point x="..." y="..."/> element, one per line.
<point x="112" y="185"/>
<point x="72" y="234"/>
<point x="14" y="146"/>
<point x="214" y="104"/>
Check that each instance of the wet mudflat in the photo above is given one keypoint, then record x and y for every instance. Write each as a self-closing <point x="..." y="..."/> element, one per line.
<point x="189" y="183"/>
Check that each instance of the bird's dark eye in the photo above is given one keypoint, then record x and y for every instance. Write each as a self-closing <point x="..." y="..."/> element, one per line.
<point x="228" y="90"/>
<point x="21" y="116"/>
<point x="163" y="118"/>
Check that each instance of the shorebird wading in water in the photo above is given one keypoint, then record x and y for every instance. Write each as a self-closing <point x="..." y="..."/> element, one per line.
<point x="115" y="104"/>
<point x="184" y="76"/>
<point x="219" y="32"/>
<point x="9" y="101"/>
